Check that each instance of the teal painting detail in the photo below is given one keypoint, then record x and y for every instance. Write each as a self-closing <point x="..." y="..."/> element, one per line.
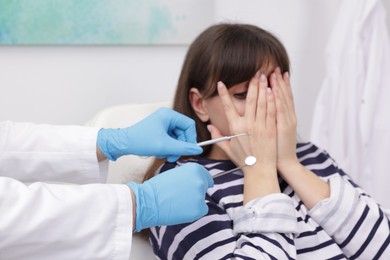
<point x="59" y="22"/>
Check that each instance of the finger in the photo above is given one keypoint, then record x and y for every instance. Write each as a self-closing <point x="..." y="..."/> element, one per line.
<point x="203" y="208"/>
<point x="279" y="102"/>
<point x="251" y="98"/>
<point x="215" y="133"/>
<point x="271" y="110"/>
<point x="283" y="90"/>
<point x="183" y="123"/>
<point x="172" y="158"/>
<point x="290" y="96"/>
<point x="289" y="117"/>
<point x="179" y="134"/>
<point x="178" y="148"/>
<point x="280" y="84"/>
<point x="262" y="100"/>
<point x="204" y="173"/>
<point x="225" y="146"/>
<point x="228" y="107"/>
<point x="207" y="178"/>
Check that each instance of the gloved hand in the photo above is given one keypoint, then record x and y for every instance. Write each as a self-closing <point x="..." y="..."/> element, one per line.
<point x="164" y="134"/>
<point x="173" y="197"/>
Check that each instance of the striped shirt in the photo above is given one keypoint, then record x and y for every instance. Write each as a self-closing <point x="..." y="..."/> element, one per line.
<point x="347" y="225"/>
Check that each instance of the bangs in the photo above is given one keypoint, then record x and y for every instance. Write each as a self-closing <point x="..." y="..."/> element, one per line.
<point x="238" y="59"/>
<point x="241" y="69"/>
<point x="231" y="53"/>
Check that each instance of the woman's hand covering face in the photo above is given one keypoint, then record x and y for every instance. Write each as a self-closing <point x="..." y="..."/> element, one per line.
<point x="286" y="120"/>
<point x="259" y="122"/>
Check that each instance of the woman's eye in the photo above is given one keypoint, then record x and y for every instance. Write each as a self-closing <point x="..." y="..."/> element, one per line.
<point x="241" y="95"/>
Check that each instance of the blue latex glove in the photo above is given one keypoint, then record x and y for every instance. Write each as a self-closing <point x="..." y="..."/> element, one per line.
<point x="164" y="134"/>
<point x="174" y="197"/>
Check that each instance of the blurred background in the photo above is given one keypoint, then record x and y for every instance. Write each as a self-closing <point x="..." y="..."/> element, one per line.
<point x="69" y="84"/>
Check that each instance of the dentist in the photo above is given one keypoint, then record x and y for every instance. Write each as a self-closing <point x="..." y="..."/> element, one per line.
<point x="93" y="221"/>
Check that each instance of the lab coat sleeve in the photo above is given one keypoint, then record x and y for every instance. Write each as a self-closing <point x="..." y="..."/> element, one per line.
<point x="52" y="221"/>
<point x="32" y="152"/>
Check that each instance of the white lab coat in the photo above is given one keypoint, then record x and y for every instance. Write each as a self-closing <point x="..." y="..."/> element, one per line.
<point x="51" y="221"/>
<point x="351" y="118"/>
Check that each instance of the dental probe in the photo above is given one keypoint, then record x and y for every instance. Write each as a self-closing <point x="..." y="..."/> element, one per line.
<point x="221" y="139"/>
<point x="208" y="142"/>
<point x="249" y="161"/>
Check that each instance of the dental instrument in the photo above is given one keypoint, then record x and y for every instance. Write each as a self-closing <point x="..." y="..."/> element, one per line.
<point x="249" y="161"/>
<point x="221" y="139"/>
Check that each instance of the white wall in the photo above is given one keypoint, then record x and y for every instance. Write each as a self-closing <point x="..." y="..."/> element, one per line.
<point x="68" y="85"/>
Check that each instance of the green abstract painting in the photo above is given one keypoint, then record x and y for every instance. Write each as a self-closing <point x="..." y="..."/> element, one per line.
<point x="107" y="22"/>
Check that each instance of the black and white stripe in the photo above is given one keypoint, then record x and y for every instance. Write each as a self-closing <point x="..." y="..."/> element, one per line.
<point x="348" y="225"/>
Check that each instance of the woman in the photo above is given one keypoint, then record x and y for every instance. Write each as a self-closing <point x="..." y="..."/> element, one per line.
<point x="294" y="202"/>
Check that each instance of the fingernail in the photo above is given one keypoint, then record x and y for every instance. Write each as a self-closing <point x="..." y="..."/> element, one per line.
<point x="269" y="91"/>
<point x="263" y="78"/>
<point x="209" y="128"/>
<point x="277" y="70"/>
<point x="219" y="85"/>
<point x="273" y="75"/>
<point x="257" y="74"/>
<point x="286" y="75"/>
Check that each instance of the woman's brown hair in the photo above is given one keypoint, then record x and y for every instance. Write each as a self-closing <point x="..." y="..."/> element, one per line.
<point x="231" y="53"/>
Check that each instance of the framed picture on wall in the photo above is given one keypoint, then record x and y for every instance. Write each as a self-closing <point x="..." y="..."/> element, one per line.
<point x="103" y="22"/>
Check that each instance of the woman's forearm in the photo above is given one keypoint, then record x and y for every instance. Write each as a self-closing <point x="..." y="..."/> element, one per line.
<point x="259" y="181"/>
<point x="310" y="188"/>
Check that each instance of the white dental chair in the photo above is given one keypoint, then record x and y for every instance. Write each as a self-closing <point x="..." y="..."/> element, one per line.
<point x="128" y="168"/>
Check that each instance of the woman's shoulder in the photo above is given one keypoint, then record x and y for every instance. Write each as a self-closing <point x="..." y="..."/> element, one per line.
<point x="317" y="159"/>
<point x="307" y="148"/>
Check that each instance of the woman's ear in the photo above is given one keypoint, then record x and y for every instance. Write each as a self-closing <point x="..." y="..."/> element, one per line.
<point x="197" y="104"/>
